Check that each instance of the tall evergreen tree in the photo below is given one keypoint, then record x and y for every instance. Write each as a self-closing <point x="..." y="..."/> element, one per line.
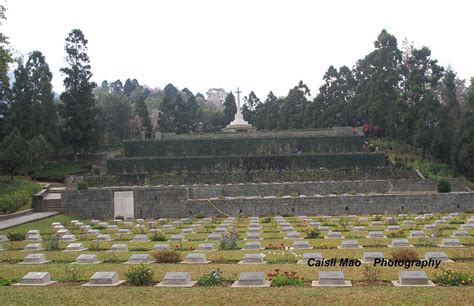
<point x="80" y="113"/>
<point x="171" y="91"/>
<point x="249" y="109"/>
<point x="142" y="111"/>
<point x="14" y="153"/>
<point x="21" y="111"/>
<point x="268" y="112"/>
<point x="116" y="114"/>
<point x="230" y="109"/>
<point x="293" y="111"/>
<point x="5" y="60"/>
<point x="130" y="86"/>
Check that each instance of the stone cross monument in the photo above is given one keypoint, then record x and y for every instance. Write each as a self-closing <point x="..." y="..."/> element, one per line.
<point x="239" y="124"/>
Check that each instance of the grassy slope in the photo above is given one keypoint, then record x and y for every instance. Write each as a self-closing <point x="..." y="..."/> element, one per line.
<point x="16" y="193"/>
<point x="56" y="171"/>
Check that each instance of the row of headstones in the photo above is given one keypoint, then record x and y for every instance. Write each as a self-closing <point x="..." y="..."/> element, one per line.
<point x="201" y="258"/>
<point x="246" y="279"/>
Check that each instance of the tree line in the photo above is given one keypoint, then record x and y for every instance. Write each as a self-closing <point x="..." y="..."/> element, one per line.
<point x="397" y="92"/>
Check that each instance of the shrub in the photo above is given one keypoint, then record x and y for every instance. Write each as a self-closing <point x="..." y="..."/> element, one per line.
<point x="199" y="216"/>
<point x="166" y="257"/>
<point x="229" y="241"/>
<point x="280" y="279"/>
<point x="377" y="218"/>
<point x="139" y="249"/>
<point x="267" y="220"/>
<point x="139" y="275"/>
<point x="443" y="186"/>
<point x="72" y="273"/>
<point x="284" y="257"/>
<point x="313" y="233"/>
<point x="113" y="258"/>
<point x="448" y="277"/>
<point x="82" y="185"/>
<point x="16" y="236"/>
<point x="396" y="234"/>
<point x="52" y="243"/>
<point x="405" y="254"/>
<point x="158" y="236"/>
<point x="214" y="278"/>
<point x="371" y="274"/>
<point x="5" y="281"/>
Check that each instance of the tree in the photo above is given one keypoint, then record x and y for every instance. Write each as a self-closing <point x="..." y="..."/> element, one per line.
<point x="142" y="111"/>
<point x="130" y="86"/>
<point x="39" y="150"/>
<point x="249" y="110"/>
<point x="13" y="154"/>
<point x="216" y="96"/>
<point x="21" y="109"/>
<point x="116" y="114"/>
<point x="427" y="120"/>
<point x="45" y="113"/>
<point x="378" y="75"/>
<point x="80" y="113"/>
<point x="5" y="60"/>
<point x="230" y="109"/>
<point x="463" y="156"/>
<point x="268" y="113"/>
<point x="292" y="114"/>
<point x="116" y="87"/>
<point x="171" y="91"/>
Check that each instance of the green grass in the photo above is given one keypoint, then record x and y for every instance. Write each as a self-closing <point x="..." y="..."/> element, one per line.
<point x="16" y="195"/>
<point x="362" y="293"/>
<point x="56" y="171"/>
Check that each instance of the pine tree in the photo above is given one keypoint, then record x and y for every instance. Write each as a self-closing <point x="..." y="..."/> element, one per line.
<point x="5" y="60"/>
<point x="142" y="111"/>
<point x="80" y="113"/>
<point x="249" y="110"/>
<point x="230" y="109"/>
<point x="14" y="153"/>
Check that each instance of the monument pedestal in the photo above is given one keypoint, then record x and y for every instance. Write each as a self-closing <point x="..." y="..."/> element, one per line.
<point x="239" y="125"/>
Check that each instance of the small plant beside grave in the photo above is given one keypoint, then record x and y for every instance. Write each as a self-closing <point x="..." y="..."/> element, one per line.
<point x="82" y="185"/>
<point x="448" y="277"/>
<point x="52" y="243"/>
<point x="16" y="236"/>
<point x="139" y="275"/>
<point x="283" y="257"/>
<point x="313" y="233"/>
<point x="229" y="241"/>
<point x="158" y="236"/>
<point x="72" y="273"/>
<point x="267" y="220"/>
<point x="396" y="234"/>
<point x="443" y="186"/>
<point x="371" y="274"/>
<point x="283" y="278"/>
<point x="166" y="257"/>
<point x="405" y="254"/>
<point x="214" y="278"/>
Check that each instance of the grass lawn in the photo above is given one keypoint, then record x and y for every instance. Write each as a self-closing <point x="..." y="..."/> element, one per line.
<point x="54" y="171"/>
<point x="16" y="195"/>
<point x="362" y="293"/>
<point x="375" y="295"/>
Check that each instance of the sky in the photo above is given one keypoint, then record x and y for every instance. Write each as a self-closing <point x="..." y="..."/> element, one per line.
<point x="256" y="45"/>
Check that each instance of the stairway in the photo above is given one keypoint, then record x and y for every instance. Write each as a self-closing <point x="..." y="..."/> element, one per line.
<point x="52" y="202"/>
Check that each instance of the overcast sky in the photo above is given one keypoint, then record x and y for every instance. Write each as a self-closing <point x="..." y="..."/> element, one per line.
<point x="257" y="45"/>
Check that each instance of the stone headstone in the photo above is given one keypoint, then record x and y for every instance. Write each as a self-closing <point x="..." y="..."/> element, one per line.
<point x="417" y="234"/>
<point x="200" y="258"/>
<point x="377" y="223"/>
<point x="205" y="247"/>
<point x="161" y="247"/>
<point x="119" y="247"/>
<point x="104" y="237"/>
<point x="430" y="226"/>
<point x="104" y="279"/>
<point x="176" y="279"/>
<point x="450" y="243"/>
<point x="36" y="279"/>
<point x="408" y="222"/>
<point x="67" y="238"/>
<point x="140" y="238"/>
<point x="409" y="278"/>
<point x="375" y="234"/>
<point x="214" y="236"/>
<point x="293" y="235"/>
<point x="252" y="245"/>
<point x="139" y="259"/>
<point x="437" y="256"/>
<point x="400" y="243"/>
<point x="314" y="223"/>
<point x="393" y="228"/>
<point x="252" y="259"/>
<point x="350" y="244"/>
<point x="331" y="278"/>
<point x="187" y="231"/>
<point x="167" y="226"/>
<point x="253" y="236"/>
<point x="3" y="238"/>
<point x="33" y="247"/>
<point x="287" y="229"/>
<point x="369" y="257"/>
<point x="123" y="231"/>
<point x="251" y="279"/>
<point x="308" y="256"/>
<point x="334" y="235"/>
<point x="33" y="237"/>
<point x="87" y="259"/>
<point x="358" y="228"/>
<point x="301" y="244"/>
<point x="33" y="232"/>
<point x="323" y="228"/>
<point x="93" y="232"/>
<point x="177" y="238"/>
<point x="35" y="259"/>
<point x="460" y="234"/>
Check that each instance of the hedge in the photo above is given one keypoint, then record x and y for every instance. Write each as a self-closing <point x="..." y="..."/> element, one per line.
<point x="230" y="163"/>
<point x="242" y="146"/>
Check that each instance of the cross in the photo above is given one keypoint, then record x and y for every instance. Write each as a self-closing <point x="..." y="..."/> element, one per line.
<point x="238" y="92"/>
